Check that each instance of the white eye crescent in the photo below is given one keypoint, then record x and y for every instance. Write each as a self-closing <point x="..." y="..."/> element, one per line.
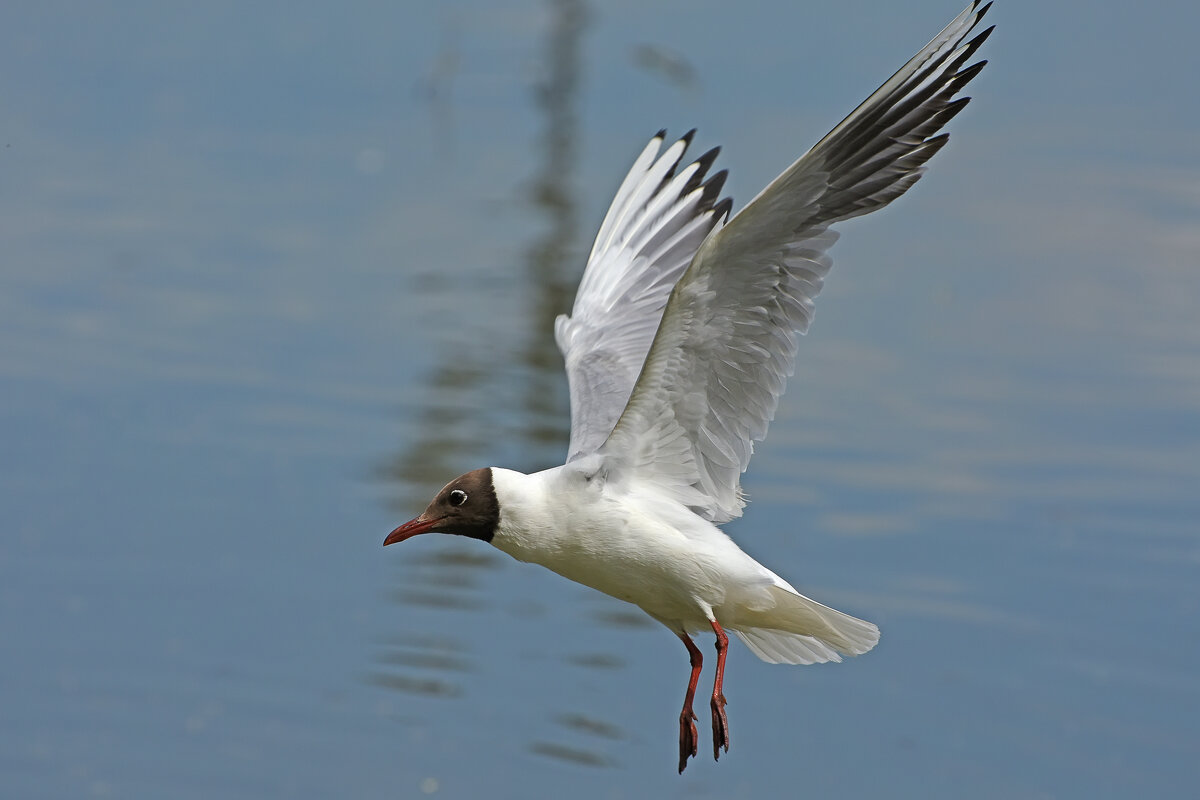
<point x="457" y="497"/>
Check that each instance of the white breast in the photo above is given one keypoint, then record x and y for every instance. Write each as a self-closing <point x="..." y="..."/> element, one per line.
<point x="646" y="551"/>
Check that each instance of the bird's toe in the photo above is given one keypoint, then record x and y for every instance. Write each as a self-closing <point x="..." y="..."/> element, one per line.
<point x="720" y="726"/>
<point x="689" y="738"/>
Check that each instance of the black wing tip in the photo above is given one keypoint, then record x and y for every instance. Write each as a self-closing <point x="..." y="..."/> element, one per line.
<point x="977" y="10"/>
<point x="934" y="143"/>
<point x="952" y="108"/>
<point x="966" y="51"/>
<point x="964" y="75"/>
<point x="946" y="113"/>
<point x="706" y="161"/>
<point x="915" y="160"/>
<point x="686" y="139"/>
<point x="661" y="137"/>
<point x="714" y="185"/>
<point x="721" y="210"/>
<point x="980" y="38"/>
<point x="702" y="164"/>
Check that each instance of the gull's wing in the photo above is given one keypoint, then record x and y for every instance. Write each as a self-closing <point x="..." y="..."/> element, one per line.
<point x="725" y="347"/>
<point x="656" y="222"/>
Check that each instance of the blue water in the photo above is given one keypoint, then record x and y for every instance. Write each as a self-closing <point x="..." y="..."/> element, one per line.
<point x="272" y="274"/>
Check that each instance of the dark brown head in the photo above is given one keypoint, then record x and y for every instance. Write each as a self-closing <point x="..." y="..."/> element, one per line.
<point x="467" y="506"/>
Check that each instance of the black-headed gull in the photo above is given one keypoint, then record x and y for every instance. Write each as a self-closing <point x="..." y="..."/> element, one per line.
<point x="677" y="351"/>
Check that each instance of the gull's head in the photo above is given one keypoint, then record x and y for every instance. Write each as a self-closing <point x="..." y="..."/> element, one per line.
<point x="466" y="506"/>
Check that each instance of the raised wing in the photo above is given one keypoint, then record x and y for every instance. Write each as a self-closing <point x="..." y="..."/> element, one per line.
<point x="649" y="236"/>
<point x="724" y="350"/>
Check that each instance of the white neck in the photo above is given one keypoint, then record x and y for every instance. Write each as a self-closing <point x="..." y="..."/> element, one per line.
<point x="534" y="510"/>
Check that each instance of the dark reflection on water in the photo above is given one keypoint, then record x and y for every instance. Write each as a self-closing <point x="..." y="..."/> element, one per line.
<point x="621" y="618"/>
<point x="436" y="86"/>
<point x="454" y="434"/>
<point x="447" y="430"/>
<point x="671" y="66"/>
<point x="421" y="664"/>
<point x="452" y="566"/>
<point x="573" y="755"/>
<point x="596" y="660"/>
<point x="459" y="558"/>
<point x="451" y="578"/>
<point x="411" y="684"/>
<point x="590" y="725"/>
<point x="445" y="578"/>
<point x="550" y="263"/>
<point x="587" y="751"/>
<point x="406" y="655"/>
<point x="431" y="599"/>
<point x="455" y="430"/>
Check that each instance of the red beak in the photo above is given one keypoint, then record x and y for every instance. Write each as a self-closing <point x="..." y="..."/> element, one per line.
<point x="411" y="528"/>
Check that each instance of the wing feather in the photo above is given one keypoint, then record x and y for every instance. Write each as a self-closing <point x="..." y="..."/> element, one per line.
<point x="657" y="221"/>
<point x="724" y="350"/>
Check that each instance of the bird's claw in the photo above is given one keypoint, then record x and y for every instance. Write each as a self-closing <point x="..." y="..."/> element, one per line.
<point x="720" y="726"/>
<point x="689" y="743"/>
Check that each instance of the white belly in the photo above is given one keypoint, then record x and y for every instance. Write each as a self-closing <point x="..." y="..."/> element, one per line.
<point x="678" y="569"/>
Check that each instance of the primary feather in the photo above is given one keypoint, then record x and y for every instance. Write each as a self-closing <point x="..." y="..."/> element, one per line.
<point x="651" y="232"/>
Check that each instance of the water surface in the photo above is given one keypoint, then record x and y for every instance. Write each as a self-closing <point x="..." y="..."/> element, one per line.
<point x="272" y="275"/>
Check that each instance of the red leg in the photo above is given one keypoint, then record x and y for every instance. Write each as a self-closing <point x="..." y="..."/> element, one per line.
<point x="720" y="725"/>
<point x="688" y="738"/>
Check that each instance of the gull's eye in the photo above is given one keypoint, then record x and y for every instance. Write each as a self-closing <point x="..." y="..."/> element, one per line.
<point x="458" y="497"/>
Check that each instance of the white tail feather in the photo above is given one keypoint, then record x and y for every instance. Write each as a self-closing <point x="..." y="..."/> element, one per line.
<point x="780" y="647"/>
<point x="802" y="631"/>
